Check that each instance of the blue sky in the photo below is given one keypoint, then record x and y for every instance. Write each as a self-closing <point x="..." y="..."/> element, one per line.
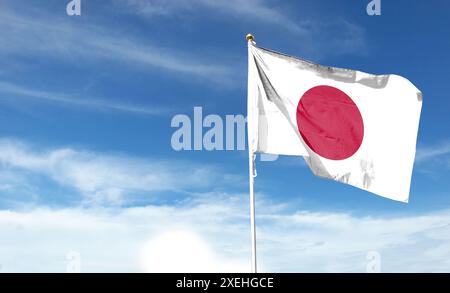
<point x="86" y="164"/>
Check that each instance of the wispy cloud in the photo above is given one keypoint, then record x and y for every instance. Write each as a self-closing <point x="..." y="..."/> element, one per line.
<point x="37" y="34"/>
<point x="433" y="152"/>
<point x="258" y="10"/>
<point x="169" y="238"/>
<point x="10" y="92"/>
<point x="55" y="37"/>
<point x="109" y="178"/>
<point x="333" y="36"/>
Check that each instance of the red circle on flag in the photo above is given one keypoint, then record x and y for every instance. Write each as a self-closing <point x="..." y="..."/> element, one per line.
<point x="330" y="123"/>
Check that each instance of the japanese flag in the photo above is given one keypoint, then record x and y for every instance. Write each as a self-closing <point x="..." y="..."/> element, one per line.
<point x="352" y="127"/>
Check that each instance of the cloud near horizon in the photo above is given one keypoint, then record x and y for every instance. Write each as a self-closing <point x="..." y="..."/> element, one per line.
<point x="214" y="230"/>
<point x="105" y="179"/>
<point x="209" y="224"/>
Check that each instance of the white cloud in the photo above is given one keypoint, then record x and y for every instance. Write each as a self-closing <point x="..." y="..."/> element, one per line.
<point x="56" y="37"/>
<point x="258" y="10"/>
<point x="38" y="34"/>
<point x="211" y="227"/>
<point x="180" y="251"/>
<point x="86" y="102"/>
<point x="108" y="178"/>
<point x="211" y="234"/>
<point x="329" y="35"/>
<point x="340" y="242"/>
<point x="433" y="152"/>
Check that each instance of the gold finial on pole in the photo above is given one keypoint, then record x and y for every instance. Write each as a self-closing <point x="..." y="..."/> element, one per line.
<point x="250" y="38"/>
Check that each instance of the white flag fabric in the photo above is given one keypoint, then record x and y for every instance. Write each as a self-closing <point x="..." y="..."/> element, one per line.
<point x="352" y="127"/>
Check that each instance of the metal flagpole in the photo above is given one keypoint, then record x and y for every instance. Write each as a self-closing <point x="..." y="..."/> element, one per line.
<point x="252" y="210"/>
<point x="251" y="160"/>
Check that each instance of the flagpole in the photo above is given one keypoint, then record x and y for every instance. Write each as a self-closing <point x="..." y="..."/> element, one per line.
<point x="252" y="210"/>
<point x="251" y="160"/>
